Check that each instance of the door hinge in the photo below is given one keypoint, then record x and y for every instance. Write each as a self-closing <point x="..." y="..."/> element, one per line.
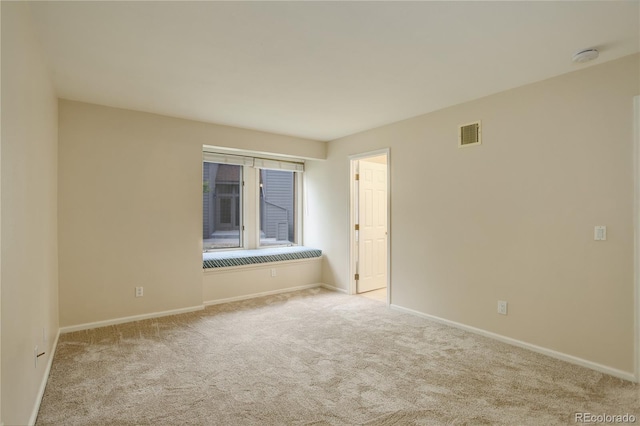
<point x="357" y="176"/>
<point x="243" y="227"/>
<point x="357" y="227"/>
<point x="357" y="277"/>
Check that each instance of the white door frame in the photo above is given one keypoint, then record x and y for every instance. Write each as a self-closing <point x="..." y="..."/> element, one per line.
<point x="636" y="225"/>
<point x="352" y="220"/>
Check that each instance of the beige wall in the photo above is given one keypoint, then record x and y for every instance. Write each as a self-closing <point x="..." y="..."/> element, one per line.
<point x="511" y="219"/>
<point x="234" y="283"/>
<point x="29" y="253"/>
<point x="131" y="208"/>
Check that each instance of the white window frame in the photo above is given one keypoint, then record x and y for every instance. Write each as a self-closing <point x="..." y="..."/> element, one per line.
<point x="242" y="244"/>
<point x="250" y="190"/>
<point x="297" y="229"/>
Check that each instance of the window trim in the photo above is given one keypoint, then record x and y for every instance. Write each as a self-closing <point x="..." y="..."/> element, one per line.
<point x="253" y="161"/>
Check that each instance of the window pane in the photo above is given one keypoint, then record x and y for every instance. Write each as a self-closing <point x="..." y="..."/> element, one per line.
<point x="221" y="192"/>
<point x="277" y="208"/>
<point x="225" y="210"/>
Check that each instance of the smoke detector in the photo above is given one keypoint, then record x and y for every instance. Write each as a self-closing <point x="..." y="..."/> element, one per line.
<point x="585" y="55"/>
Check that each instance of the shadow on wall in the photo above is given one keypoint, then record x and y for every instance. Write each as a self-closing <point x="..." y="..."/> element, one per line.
<point x="328" y="274"/>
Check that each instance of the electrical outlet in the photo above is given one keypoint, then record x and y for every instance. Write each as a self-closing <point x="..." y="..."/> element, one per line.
<point x="502" y="307"/>
<point x="139" y="291"/>
<point x="273" y="272"/>
<point x="600" y="233"/>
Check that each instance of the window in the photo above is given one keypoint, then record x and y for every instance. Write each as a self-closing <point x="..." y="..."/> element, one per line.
<point x="221" y="206"/>
<point x="277" y="207"/>
<point x="249" y="202"/>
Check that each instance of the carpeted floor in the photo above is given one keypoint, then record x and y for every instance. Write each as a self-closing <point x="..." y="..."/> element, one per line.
<point x="313" y="357"/>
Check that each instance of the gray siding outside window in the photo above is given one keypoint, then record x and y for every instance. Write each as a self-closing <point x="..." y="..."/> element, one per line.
<point x="277" y="205"/>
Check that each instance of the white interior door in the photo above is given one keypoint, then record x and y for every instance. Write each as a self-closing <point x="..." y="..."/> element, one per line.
<point x="372" y="222"/>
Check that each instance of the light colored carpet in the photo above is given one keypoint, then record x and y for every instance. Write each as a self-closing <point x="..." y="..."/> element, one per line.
<point x="313" y="358"/>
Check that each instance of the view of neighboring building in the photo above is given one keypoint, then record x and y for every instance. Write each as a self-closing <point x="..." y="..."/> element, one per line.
<point x="222" y="207"/>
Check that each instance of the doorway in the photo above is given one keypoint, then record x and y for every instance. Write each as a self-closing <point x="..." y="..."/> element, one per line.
<point x="369" y="224"/>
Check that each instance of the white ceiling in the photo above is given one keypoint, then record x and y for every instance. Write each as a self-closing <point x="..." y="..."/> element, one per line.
<point x="319" y="70"/>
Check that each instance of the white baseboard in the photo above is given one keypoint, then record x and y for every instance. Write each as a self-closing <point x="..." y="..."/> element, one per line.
<point x="123" y="320"/>
<point x="625" y="375"/>
<point x="264" y="293"/>
<point x="43" y="384"/>
<point x="332" y="288"/>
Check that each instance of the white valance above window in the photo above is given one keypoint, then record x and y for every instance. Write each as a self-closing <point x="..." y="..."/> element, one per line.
<point x="238" y="160"/>
<point x="260" y="163"/>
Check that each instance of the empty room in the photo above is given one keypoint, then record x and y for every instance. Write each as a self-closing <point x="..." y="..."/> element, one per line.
<point x="340" y="213"/>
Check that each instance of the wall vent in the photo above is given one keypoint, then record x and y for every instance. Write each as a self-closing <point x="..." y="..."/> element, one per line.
<point x="469" y="134"/>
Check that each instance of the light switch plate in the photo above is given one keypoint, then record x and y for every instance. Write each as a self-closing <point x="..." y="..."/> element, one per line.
<point x="600" y="233"/>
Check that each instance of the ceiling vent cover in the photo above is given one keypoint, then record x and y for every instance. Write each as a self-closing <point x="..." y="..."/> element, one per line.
<point x="469" y="134"/>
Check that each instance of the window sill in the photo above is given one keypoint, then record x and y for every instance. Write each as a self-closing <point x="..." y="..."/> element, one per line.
<point x="257" y="256"/>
